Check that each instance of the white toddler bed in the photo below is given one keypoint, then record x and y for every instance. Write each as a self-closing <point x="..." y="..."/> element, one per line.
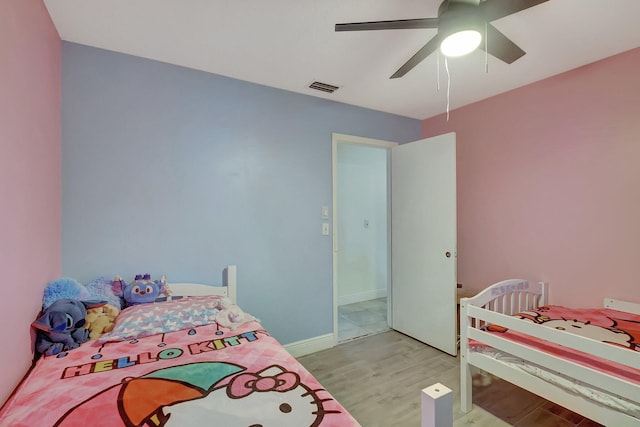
<point x="496" y="305"/>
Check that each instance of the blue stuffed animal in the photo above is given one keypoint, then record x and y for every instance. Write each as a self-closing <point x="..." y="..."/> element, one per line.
<point x="60" y="328"/>
<point x="143" y="290"/>
<point x="64" y="287"/>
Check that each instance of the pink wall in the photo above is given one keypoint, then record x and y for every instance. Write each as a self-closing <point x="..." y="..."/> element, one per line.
<point x="30" y="194"/>
<point x="549" y="183"/>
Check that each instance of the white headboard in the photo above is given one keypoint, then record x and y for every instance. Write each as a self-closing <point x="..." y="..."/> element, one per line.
<point x="227" y="289"/>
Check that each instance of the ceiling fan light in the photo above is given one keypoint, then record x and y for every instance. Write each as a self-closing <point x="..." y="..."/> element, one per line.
<point x="461" y="43"/>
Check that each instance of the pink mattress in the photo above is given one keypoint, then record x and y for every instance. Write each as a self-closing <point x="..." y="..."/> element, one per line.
<point x="206" y="375"/>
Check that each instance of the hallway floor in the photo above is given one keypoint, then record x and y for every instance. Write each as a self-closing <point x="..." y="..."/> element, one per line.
<point x="362" y="319"/>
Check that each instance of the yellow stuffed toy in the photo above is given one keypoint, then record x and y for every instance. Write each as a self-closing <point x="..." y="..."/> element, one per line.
<point x="101" y="320"/>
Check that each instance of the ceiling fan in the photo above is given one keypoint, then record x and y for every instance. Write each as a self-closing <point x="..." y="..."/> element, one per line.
<point x="461" y="25"/>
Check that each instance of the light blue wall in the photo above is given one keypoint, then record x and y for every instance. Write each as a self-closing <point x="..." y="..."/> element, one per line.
<point x="171" y="170"/>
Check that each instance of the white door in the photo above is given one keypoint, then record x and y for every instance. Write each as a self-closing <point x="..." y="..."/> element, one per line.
<point x="423" y="241"/>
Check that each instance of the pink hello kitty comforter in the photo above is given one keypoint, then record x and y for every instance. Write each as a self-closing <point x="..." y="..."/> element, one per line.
<point x="206" y="375"/>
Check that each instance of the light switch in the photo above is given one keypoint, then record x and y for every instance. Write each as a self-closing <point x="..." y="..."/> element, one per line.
<point x="325" y="212"/>
<point x="325" y="228"/>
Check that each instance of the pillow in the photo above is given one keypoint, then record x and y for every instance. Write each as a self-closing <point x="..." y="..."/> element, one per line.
<point x="149" y="319"/>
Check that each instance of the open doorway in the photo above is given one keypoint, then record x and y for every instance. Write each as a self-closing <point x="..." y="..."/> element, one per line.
<point x="361" y="236"/>
<point x="423" y="254"/>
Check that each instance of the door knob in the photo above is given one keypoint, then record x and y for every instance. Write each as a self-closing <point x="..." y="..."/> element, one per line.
<point x="447" y="254"/>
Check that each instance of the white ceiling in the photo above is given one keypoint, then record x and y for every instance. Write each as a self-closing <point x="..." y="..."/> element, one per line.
<point x="288" y="44"/>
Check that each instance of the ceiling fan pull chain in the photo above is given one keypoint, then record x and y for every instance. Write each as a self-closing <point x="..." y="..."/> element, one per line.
<point x="438" y="70"/>
<point x="486" y="48"/>
<point x="446" y="66"/>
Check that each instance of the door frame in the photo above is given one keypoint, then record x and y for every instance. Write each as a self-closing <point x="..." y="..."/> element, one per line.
<point x="337" y="138"/>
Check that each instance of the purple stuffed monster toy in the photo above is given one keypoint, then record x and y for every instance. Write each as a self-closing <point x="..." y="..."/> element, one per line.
<point x="143" y="290"/>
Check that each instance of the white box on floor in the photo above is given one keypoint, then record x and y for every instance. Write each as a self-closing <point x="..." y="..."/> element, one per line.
<point x="437" y="406"/>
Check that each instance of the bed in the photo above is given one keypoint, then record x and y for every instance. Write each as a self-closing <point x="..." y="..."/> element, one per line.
<point x="196" y="359"/>
<point x="503" y="332"/>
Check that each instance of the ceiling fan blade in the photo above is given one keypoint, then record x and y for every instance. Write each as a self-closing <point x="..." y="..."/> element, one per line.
<point x="495" y="9"/>
<point x="500" y="46"/>
<point x="398" y="24"/>
<point x="425" y="51"/>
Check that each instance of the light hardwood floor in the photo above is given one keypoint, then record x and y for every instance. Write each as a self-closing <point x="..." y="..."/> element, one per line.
<point x="378" y="379"/>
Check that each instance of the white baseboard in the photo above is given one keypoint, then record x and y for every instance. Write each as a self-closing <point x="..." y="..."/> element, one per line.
<point x="311" y="345"/>
<point x="362" y="296"/>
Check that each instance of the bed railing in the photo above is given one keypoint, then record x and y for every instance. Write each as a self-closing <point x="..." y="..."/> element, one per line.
<point x="506" y="297"/>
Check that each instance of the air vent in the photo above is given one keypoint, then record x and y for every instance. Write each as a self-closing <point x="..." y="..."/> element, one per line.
<point x="324" y="87"/>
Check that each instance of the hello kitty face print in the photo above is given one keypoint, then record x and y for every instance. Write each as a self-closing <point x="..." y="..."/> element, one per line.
<point x="272" y="397"/>
<point x="209" y="393"/>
